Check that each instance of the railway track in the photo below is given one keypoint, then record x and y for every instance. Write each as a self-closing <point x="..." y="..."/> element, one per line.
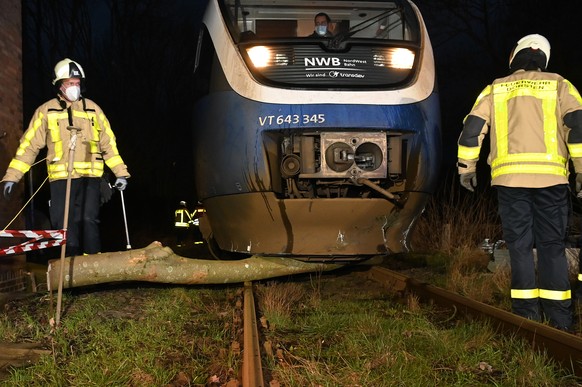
<point x="561" y="346"/>
<point x="565" y="348"/>
<point x="252" y="372"/>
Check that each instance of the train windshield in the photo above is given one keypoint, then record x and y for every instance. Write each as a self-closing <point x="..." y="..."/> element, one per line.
<point x="382" y="20"/>
<point x="326" y="44"/>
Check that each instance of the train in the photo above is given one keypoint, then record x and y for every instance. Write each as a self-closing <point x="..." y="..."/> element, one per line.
<point x="308" y="146"/>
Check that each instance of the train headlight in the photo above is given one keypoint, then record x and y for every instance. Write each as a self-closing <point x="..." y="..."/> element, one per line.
<point x="400" y="58"/>
<point x="396" y="58"/>
<point x="263" y="56"/>
<point x="260" y="56"/>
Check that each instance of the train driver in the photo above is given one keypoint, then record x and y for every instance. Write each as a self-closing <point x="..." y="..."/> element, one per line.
<point x="323" y="26"/>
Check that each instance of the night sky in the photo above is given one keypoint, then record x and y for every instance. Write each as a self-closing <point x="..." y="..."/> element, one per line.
<point x="138" y="56"/>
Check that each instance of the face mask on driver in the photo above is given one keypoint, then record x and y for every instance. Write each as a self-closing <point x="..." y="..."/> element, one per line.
<point x="321" y="30"/>
<point x="73" y="93"/>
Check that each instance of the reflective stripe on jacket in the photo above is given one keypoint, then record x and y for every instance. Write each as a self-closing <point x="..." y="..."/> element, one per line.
<point x="95" y="143"/>
<point x="183" y="218"/>
<point x="530" y="141"/>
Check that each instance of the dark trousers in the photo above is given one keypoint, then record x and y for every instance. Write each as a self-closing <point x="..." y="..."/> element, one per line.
<point x="182" y="234"/>
<point x="537" y="216"/>
<point x="83" y="229"/>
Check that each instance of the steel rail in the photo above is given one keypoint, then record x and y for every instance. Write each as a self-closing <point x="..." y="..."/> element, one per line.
<point x="252" y="374"/>
<point x="564" y="347"/>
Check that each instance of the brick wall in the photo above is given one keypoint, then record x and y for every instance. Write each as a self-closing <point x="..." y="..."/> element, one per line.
<point x="11" y="119"/>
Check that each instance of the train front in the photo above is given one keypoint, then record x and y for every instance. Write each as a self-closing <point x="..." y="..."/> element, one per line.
<point x="312" y="142"/>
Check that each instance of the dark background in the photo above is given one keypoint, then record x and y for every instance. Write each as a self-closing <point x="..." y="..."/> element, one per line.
<point x="138" y="57"/>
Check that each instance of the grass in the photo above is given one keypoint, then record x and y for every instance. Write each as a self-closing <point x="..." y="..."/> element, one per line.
<point x="326" y="330"/>
<point x="322" y="330"/>
<point x="448" y="237"/>
<point x="130" y="337"/>
<point x="449" y="234"/>
<point x="455" y="219"/>
<point x="370" y="341"/>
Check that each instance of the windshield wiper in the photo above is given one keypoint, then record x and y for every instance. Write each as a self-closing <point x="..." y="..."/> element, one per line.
<point x="238" y="6"/>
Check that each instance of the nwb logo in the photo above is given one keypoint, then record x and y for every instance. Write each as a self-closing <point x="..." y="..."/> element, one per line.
<point x="318" y="62"/>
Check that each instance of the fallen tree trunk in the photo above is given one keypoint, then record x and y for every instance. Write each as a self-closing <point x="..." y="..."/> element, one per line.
<point x="156" y="263"/>
<point x="18" y="355"/>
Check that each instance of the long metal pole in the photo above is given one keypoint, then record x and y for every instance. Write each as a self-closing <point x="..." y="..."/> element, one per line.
<point x="71" y="160"/>
<point x="128" y="246"/>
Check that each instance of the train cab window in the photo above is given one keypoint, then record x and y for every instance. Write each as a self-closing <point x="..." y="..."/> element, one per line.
<point x="265" y="19"/>
<point x="370" y="44"/>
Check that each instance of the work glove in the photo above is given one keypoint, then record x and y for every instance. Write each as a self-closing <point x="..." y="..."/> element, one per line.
<point x="106" y="190"/>
<point x="121" y="183"/>
<point x="8" y="188"/>
<point x="579" y="184"/>
<point x="469" y="180"/>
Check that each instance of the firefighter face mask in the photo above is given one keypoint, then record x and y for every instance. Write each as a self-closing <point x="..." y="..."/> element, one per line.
<point x="71" y="91"/>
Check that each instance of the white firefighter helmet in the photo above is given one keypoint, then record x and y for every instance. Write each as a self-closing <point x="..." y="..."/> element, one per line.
<point x="68" y="68"/>
<point x="534" y="41"/>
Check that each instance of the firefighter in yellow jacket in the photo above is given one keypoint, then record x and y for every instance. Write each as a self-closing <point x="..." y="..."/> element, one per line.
<point x="182" y="223"/>
<point x="534" y="119"/>
<point x="95" y="146"/>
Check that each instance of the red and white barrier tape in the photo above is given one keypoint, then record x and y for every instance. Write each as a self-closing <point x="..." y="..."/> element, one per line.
<point x="57" y="238"/>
